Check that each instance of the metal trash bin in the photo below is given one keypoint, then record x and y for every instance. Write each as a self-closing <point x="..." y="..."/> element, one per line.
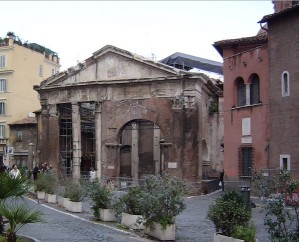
<point x="245" y="191"/>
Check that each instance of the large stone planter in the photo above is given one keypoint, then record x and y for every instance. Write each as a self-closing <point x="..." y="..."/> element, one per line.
<point x="75" y="207"/>
<point x="26" y="238"/>
<point x="41" y="194"/>
<point x="62" y="201"/>
<point x="107" y="215"/>
<point x="159" y="233"/>
<point x="223" y="238"/>
<point x="130" y="220"/>
<point x="50" y="198"/>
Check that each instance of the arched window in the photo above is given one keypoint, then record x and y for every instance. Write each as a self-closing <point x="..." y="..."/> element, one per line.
<point x="241" y="92"/>
<point x="285" y="83"/>
<point x="254" y="89"/>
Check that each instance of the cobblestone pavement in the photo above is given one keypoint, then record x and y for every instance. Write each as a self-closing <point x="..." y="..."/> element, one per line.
<point x="192" y="225"/>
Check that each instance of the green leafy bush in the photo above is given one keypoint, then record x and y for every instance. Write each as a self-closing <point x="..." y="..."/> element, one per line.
<point x="132" y="202"/>
<point x="282" y="222"/>
<point x="75" y="191"/>
<point x="100" y="196"/>
<point x="40" y="183"/>
<point x="228" y="212"/>
<point x="245" y="233"/>
<point x="163" y="198"/>
<point x="51" y="183"/>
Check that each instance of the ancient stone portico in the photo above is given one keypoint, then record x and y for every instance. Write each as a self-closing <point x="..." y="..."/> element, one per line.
<point x="128" y="117"/>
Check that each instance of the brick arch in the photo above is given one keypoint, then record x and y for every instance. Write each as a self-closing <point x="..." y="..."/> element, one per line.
<point x="254" y="82"/>
<point x="139" y="141"/>
<point x="240" y="91"/>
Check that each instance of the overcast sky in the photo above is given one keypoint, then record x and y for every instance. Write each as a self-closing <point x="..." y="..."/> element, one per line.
<point x="76" y="29"/>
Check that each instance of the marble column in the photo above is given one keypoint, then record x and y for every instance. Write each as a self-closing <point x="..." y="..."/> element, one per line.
<point x="135" y="152"/>
<point x="98" y="135"/>
<point x="76" y="141"/>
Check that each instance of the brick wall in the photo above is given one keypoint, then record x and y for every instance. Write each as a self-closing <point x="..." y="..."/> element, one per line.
<point x="284" y="111"/>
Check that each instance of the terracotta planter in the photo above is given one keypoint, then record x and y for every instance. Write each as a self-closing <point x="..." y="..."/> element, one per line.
<point x="130" y="220"/>
<point x="41" y="194"/>
<point x="50" y="198"/>
<point x="159" y="233"/>
<point x="75" y="207"/>
<point x="107" y="215"/>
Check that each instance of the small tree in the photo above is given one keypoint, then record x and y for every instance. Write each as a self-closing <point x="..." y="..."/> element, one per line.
<point x="228" y="212"/>
<point x="282" y="223"/>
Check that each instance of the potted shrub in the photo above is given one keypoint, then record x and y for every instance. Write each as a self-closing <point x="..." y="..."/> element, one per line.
<point x="130" y="207"/>
<point x="40" y="185"/>
<point x="163" y="200"/>
<point x="62" y="194"/>
<point x="51" y="185"/>
<point x="228" y="212"/>
<point x="101" y="202"/>
<point x="75" y="192"/>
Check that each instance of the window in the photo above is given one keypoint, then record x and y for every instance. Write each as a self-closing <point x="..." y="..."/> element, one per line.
<point x="2" y="108"/>
<point x="246" y="157"/>
<point x="2" y="130"/>
<point x="254" y="89"/>
<point x="19" y="135"/>
<point x="285" y="82"/>
<point x="241" y="92"/>
<point x="41" y="70"/>
<point x="53" y="72"/>
<point x="2" y="85"/>
<point x="285" y="162"/>
<point x="2" y="61"/>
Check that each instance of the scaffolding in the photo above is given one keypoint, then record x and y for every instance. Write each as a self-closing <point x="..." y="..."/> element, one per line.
<point x="87" y="125"/>
<point x="65" y="139"/>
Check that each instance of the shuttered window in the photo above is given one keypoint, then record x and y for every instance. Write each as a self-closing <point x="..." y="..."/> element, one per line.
<point x="2" y="61"/>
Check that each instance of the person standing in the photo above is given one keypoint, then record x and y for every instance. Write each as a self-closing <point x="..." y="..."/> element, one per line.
<point x="222" y="179"/>
<point x="35" y="172"/>
<point x="92" y="174"/>
<point x="2" y="167"/>
<point x="14" y="173"/>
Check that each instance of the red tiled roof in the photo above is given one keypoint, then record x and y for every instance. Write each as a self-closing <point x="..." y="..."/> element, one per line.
<point x="28" y="120"/>
<point x="257" y="39"/>
<point x="246" y="41"/>
<point x="266" y="18"/>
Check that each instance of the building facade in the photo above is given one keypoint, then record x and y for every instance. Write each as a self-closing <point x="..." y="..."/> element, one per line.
<point x="261" y="97"/>
<point x="246" y="85"/>
<point x="128" y="117"/>
<point x="283" y="49"/>
<point x="21" y="67"/>
<point x="23" y="139"/>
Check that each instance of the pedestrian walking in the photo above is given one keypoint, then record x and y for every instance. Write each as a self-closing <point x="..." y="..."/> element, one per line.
<point x="35" y="172"/>
<point x="14" y="173"/>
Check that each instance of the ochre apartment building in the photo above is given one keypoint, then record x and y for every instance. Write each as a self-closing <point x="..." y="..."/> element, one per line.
<point x="21" y="67"/>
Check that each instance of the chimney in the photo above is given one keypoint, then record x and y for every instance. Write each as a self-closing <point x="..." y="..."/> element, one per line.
<point x="55" y="59"/>
<point x="10" y="41"/>
<point x="281" y="5"/>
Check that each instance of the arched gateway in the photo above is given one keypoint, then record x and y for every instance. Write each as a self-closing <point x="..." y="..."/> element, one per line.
<point x="127" y="116"/>
<point x="140" y="149"/>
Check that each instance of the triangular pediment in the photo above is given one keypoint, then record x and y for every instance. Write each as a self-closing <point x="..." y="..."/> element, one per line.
<point x="111" y="64"/>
